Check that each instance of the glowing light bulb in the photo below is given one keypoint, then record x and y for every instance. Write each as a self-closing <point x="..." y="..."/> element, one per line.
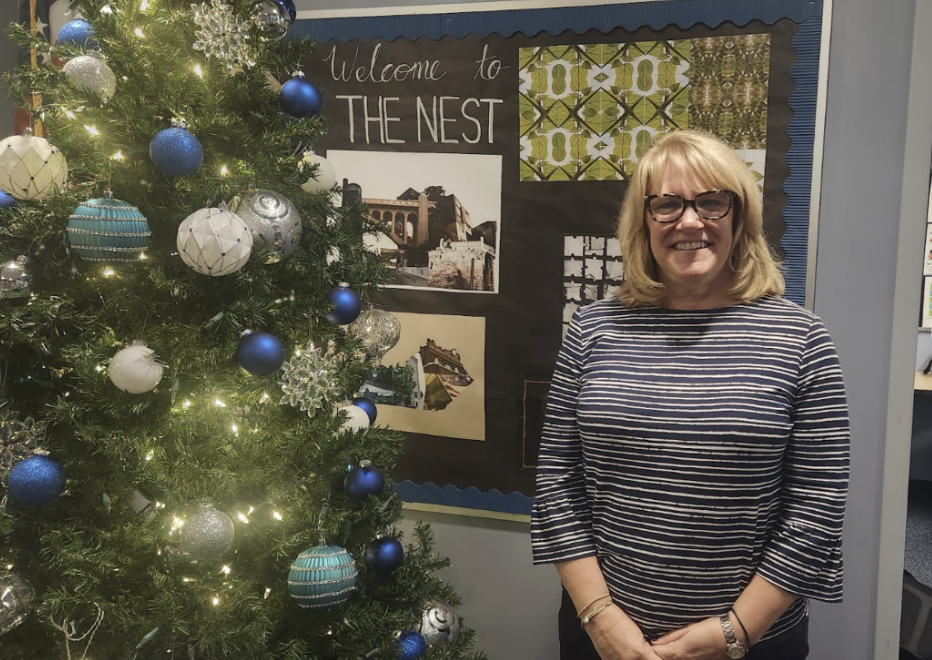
<point x="215" y="601"/>
<point x="69" y="114"/>
<point x="224" y="171"/>
<point x="106" y="9"/>
<point x="267" y="590"/>
<point x="186" y="404"/>
<point x="91" y="129"/>
<point x="198" y="71"/>
<point x="117" y="156"/>
<point x="99" y="368"/>
<point x="144" y="5"/>
<point x="109" y="272"/>
<point x="142" y="256"/>
<point x="277" y="515"/>
<point x="265" y="397"/>
<point x="242" y="517"/>
<point x="234" y="428"/>
<point x="150" y="456"/>
<point x="225" y="570"/>
<point x="138" y="33"/>
<point x="219" y="403"/>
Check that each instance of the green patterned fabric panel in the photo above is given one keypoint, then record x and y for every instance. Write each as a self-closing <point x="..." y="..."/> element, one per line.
<point x="588" y="112"/>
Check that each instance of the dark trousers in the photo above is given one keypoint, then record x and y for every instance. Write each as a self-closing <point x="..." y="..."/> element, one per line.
<point x="576" y="645"/>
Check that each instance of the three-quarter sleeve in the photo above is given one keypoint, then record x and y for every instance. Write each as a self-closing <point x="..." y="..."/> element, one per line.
<point x="803" y="556"/>
<point x="561" y="519"/>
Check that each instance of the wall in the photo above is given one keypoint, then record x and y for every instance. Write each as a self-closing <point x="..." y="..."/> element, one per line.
<point x="9" y="12"/>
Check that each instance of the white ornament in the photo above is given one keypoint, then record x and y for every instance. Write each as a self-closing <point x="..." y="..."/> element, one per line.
<point x="356" y="418"/>
<point x="90" y="73"/>
<point x="134" y="369"/>
<point x="214" y="242"/>
<point x="326" y="176"/>
<point x="30" y="167"/>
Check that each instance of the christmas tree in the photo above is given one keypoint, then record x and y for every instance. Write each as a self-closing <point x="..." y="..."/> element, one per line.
<point x="184" y="471"/>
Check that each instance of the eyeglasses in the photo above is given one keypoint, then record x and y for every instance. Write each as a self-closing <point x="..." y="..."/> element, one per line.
<point x="709" y="205"/>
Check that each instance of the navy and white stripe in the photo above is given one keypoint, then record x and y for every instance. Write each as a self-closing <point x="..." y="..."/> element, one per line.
<point x="690" y="450"/>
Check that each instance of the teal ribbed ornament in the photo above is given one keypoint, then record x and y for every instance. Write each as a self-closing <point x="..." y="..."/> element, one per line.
<point x="108" y="229"/>
<point x="322" y="576"/>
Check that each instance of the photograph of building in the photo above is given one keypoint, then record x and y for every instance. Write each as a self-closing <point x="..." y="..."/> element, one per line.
<point x="442" y="234"/>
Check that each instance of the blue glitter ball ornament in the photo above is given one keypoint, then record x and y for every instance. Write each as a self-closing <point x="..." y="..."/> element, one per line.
<point x="346" y="305"/>
<point x="411" y="645"/>
<point x="108" y="229"/>
<point x="6" y="201"/>
<point x="368" y="405"/>
<point x="36" y="481"/>
<point x="322" y="576"/>
<point x="260" y="353"/>
<point x="363" y="481"/>
<point x="300" y="98"/>
<point x="176" y="152"/>
<point x="385" y="554"/>
<point x="77" y="33"/>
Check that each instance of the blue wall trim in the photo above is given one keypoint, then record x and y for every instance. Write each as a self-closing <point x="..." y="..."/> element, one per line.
<point x="630" y="16"/>
<point x="471" y="498"/>
<point x="658" y="15"/>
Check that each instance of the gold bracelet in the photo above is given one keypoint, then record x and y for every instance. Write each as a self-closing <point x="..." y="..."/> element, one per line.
<point x="582" y="610"/>
<point x="586" y="619"/>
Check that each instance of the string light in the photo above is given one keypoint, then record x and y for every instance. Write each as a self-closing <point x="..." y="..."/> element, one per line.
<point x="142" y="256"/>
<point x="106" y="9"/>
<point x="117" y="156"/>
<point x="138" y="33"/>
<point x="234" y="428"/>
<point x="219" y="403"/>
<point x="198" y="71"/>
<point x="99" y="368"/>
<point x="225" y="570"/>
<point x="265" y="397"/>
<point x="276" y="515"/>
<point x="216" y="601"/>
<point x="69" y="114"/>
<point x="186" y="404"/>
<point x="267" y="591"/>
<point x="150" y="455"/>
<point x="242" y="517"/>
<point x="91" y="129"/>
<point x="144" y="5"/>
<point x="224" y="171"/>
<point x="109" y="272"/>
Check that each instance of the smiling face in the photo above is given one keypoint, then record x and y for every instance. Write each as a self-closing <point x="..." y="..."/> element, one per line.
<point x="692" y="254"/>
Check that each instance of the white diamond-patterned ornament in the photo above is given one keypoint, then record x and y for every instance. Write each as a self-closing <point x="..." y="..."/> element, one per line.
<point x="214" y="242"/>
<point x="30" y="167"/>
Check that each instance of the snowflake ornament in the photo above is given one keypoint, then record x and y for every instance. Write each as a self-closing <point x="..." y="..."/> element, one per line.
<point x="224" y="35"/>
<point x="310" y="379"/>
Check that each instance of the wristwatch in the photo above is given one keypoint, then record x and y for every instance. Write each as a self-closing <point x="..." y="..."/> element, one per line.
<point x="734" y="650"/>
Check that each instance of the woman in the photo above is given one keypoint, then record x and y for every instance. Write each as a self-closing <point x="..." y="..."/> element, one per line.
<point x="694" y="463"/>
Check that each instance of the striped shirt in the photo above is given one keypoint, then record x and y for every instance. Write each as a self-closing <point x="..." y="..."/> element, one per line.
<point x="690" y="450"/>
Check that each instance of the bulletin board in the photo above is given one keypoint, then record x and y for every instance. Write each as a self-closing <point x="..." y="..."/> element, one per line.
<point x="494" y="147"/>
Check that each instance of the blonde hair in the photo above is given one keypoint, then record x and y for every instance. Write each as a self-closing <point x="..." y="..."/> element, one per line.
<point x="693" y="153"/>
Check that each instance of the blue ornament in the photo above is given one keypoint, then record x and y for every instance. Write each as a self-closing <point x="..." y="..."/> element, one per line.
<point x="260" y="353"/>
<point x="36" y="481"/>
<point x="77" y="33"/>
<point x="346" y="305"/>
<point x="368" y="405"/>
<point x="322" y="576"/>
<point x="289" y="7"/>
<point x="300" y="98"/>
<point x="108" y="229"/>
<point x="6" y="201"/>
<point x="385" y="554"/>
<point x="363" y="481"/>
<point x="176" y="152"/>
<point x="411" y="645"/>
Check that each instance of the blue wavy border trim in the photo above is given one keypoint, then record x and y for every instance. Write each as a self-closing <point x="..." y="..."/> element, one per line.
<point x="471" y="498"/>
<point x="630" y="16"/>
<point x="801" y="131"/>
<point x="684" y="13"/>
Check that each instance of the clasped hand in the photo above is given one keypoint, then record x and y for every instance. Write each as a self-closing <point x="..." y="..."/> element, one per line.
<point x="702" y="640"/>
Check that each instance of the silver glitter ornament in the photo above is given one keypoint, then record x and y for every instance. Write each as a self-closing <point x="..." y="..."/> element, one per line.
<point x="207" y="535"/>
<point x="271" y="18"/>
<point x="14" y="280"/>
<point x="310" y="380"/>
<point x="224" y="35"/>
<point x="91" y="73"/>
<point x="17" y="599"/>
<point x="439" y="624"/>
<point x="377" y="330"/>
<point x="273" y="219"/>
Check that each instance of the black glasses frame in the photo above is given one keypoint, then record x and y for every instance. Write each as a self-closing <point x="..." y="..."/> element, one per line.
<point x="689" y="202"/>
